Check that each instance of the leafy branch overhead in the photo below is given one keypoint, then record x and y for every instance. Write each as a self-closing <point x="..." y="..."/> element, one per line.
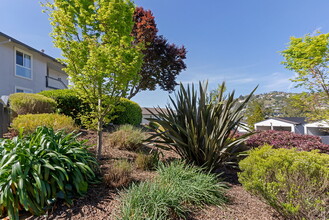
<point x="162" y="61"/>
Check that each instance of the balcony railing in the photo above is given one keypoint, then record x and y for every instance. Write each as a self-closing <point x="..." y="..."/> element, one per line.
<point x="55" y="83"/>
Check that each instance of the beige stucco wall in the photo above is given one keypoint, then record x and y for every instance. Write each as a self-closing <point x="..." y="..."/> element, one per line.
<point x="8" y="80"/>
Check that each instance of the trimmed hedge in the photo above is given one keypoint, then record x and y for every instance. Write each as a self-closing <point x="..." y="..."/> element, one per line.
<point x="28" y="103"/>
<point x="286" y="139"/>
<point x="295" y="183"/>
<point x="68" y="102"/>
<point x="127" y="112"/>
<point x="30" y="122"/>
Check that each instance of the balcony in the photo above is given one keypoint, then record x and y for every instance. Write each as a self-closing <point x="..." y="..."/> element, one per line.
<point x="55" y="83"/>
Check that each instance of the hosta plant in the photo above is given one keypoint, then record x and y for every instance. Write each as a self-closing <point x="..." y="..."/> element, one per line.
<point x="36" y="170"/>
<point x="200" y="130"/>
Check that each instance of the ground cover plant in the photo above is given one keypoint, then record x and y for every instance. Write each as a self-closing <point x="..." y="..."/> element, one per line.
<point x="286" y="139"/>
<point x="201" y="130"/>
<point x="295" y="183"/>
<point x="127" y="137"/>
<point x="37" y="169"/>
<point x="28" y="123"/>
<point x="26" y="103"/>
<point x="174" y="193"/>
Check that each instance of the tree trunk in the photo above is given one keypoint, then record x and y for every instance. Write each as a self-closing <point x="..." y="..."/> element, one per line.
<point x="99" y="131"/>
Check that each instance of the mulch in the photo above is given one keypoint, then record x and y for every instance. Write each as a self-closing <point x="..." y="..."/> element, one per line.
<point x="102" y="201"/>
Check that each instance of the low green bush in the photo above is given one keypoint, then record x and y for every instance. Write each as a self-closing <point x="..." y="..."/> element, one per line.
<point x="172" y="194"/>
<point x="127" y="112"/>
<point x="68" y="102"/>
<point x="37" y="169"/>
<point x="295" y="183"/>
<point x="30" y="122"/>
<point x="27" y="103"/>
<point x="127" y="137"/>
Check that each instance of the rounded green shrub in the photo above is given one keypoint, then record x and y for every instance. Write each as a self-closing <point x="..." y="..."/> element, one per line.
<point x="28" y="103"/>
<point x="127" y="112"/>
<point x="68" y="102"/>
<point x="30" y="122"/>
<point x="295" y="183"/>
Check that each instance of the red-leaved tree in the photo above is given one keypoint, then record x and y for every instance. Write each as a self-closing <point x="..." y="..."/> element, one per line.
<point x="163" y="61"/>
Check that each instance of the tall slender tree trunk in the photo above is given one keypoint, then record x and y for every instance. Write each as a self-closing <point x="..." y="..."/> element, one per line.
<point x="99" y="131"/>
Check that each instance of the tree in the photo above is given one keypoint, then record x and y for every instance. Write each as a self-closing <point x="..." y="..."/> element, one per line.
<point x="100" y="54"/>
<point x="254" y="113"/>
<point x="162" y="61"/>
<point x="309" y="58"/>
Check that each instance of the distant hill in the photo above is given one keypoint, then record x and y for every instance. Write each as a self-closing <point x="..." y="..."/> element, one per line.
<point x="273" y="103"/>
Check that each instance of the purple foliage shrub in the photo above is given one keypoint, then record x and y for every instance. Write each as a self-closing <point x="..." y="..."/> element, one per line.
<point x="286" y="139"/>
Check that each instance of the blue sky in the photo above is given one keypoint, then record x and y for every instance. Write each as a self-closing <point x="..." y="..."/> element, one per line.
<point x="237" y="41"/>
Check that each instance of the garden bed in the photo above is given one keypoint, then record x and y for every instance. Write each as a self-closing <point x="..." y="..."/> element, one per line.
<point x="101" y="201"/>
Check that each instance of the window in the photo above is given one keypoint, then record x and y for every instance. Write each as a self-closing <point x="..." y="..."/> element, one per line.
<point x="23" y="65"/>
<point x="23" y="90"/>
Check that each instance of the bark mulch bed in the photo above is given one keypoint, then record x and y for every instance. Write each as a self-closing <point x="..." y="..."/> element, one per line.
<point x="101" y="201"/>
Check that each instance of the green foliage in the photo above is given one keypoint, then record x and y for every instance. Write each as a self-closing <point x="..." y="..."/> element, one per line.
<point x="200" y="131"/>
<point x="147" y="161"/>
<point x="68" y="102"/>
<point x="254" y="113"/>
<point x="127" y="137"/>
<point x="36" y="170"/>
<point x="28" y="103"/>
<point x="308" y="57"/>
<point x="127" y="112"/>
<point x="30" y="122"/>
<point x="296" y="183"/>
<point x="119" y="174"/>
<point x="172" y="194"/>
<point x="99" y="51"/>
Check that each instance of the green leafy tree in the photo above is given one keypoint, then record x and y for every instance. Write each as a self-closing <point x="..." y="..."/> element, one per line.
<point x="309" y="58"/>
<point x="254" y="113"/>
<point x="99" y="52"/>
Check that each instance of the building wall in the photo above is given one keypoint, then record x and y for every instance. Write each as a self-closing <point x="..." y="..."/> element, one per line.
<point x="8" y="79"/>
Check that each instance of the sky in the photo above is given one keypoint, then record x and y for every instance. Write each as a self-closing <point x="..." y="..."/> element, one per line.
<point x="237" y="41"/>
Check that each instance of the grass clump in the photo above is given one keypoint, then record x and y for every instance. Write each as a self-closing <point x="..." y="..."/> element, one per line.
<point x="30" y="122"/>
<point x="147" y="161"/>
<point x="127" y="137"/>
<point x="119" y="174"/>
<point x="174" y="193"/>
<point x="295" y="183"/>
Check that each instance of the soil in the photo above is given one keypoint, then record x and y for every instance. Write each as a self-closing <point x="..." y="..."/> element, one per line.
<point x="102" y="201"/>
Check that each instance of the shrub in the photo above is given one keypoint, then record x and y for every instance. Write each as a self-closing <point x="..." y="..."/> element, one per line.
<point x="119" y="175"/>
<point x="26" y="103"/>
<point x="296" y="183"/>
<point x="173" y="193"/>
<point x="127" y="112"/>
<point x="147" y="161"/>
<point x="55" y="121"/>
<point x="200" y="131"/>
<point x="68" y="102"/>
<point x="286" y="139"/>
<point x="40" y="168"/>
<point x="127" y="137"/>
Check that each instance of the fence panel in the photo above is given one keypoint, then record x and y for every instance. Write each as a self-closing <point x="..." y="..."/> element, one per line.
<point x="4" y="119"/>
